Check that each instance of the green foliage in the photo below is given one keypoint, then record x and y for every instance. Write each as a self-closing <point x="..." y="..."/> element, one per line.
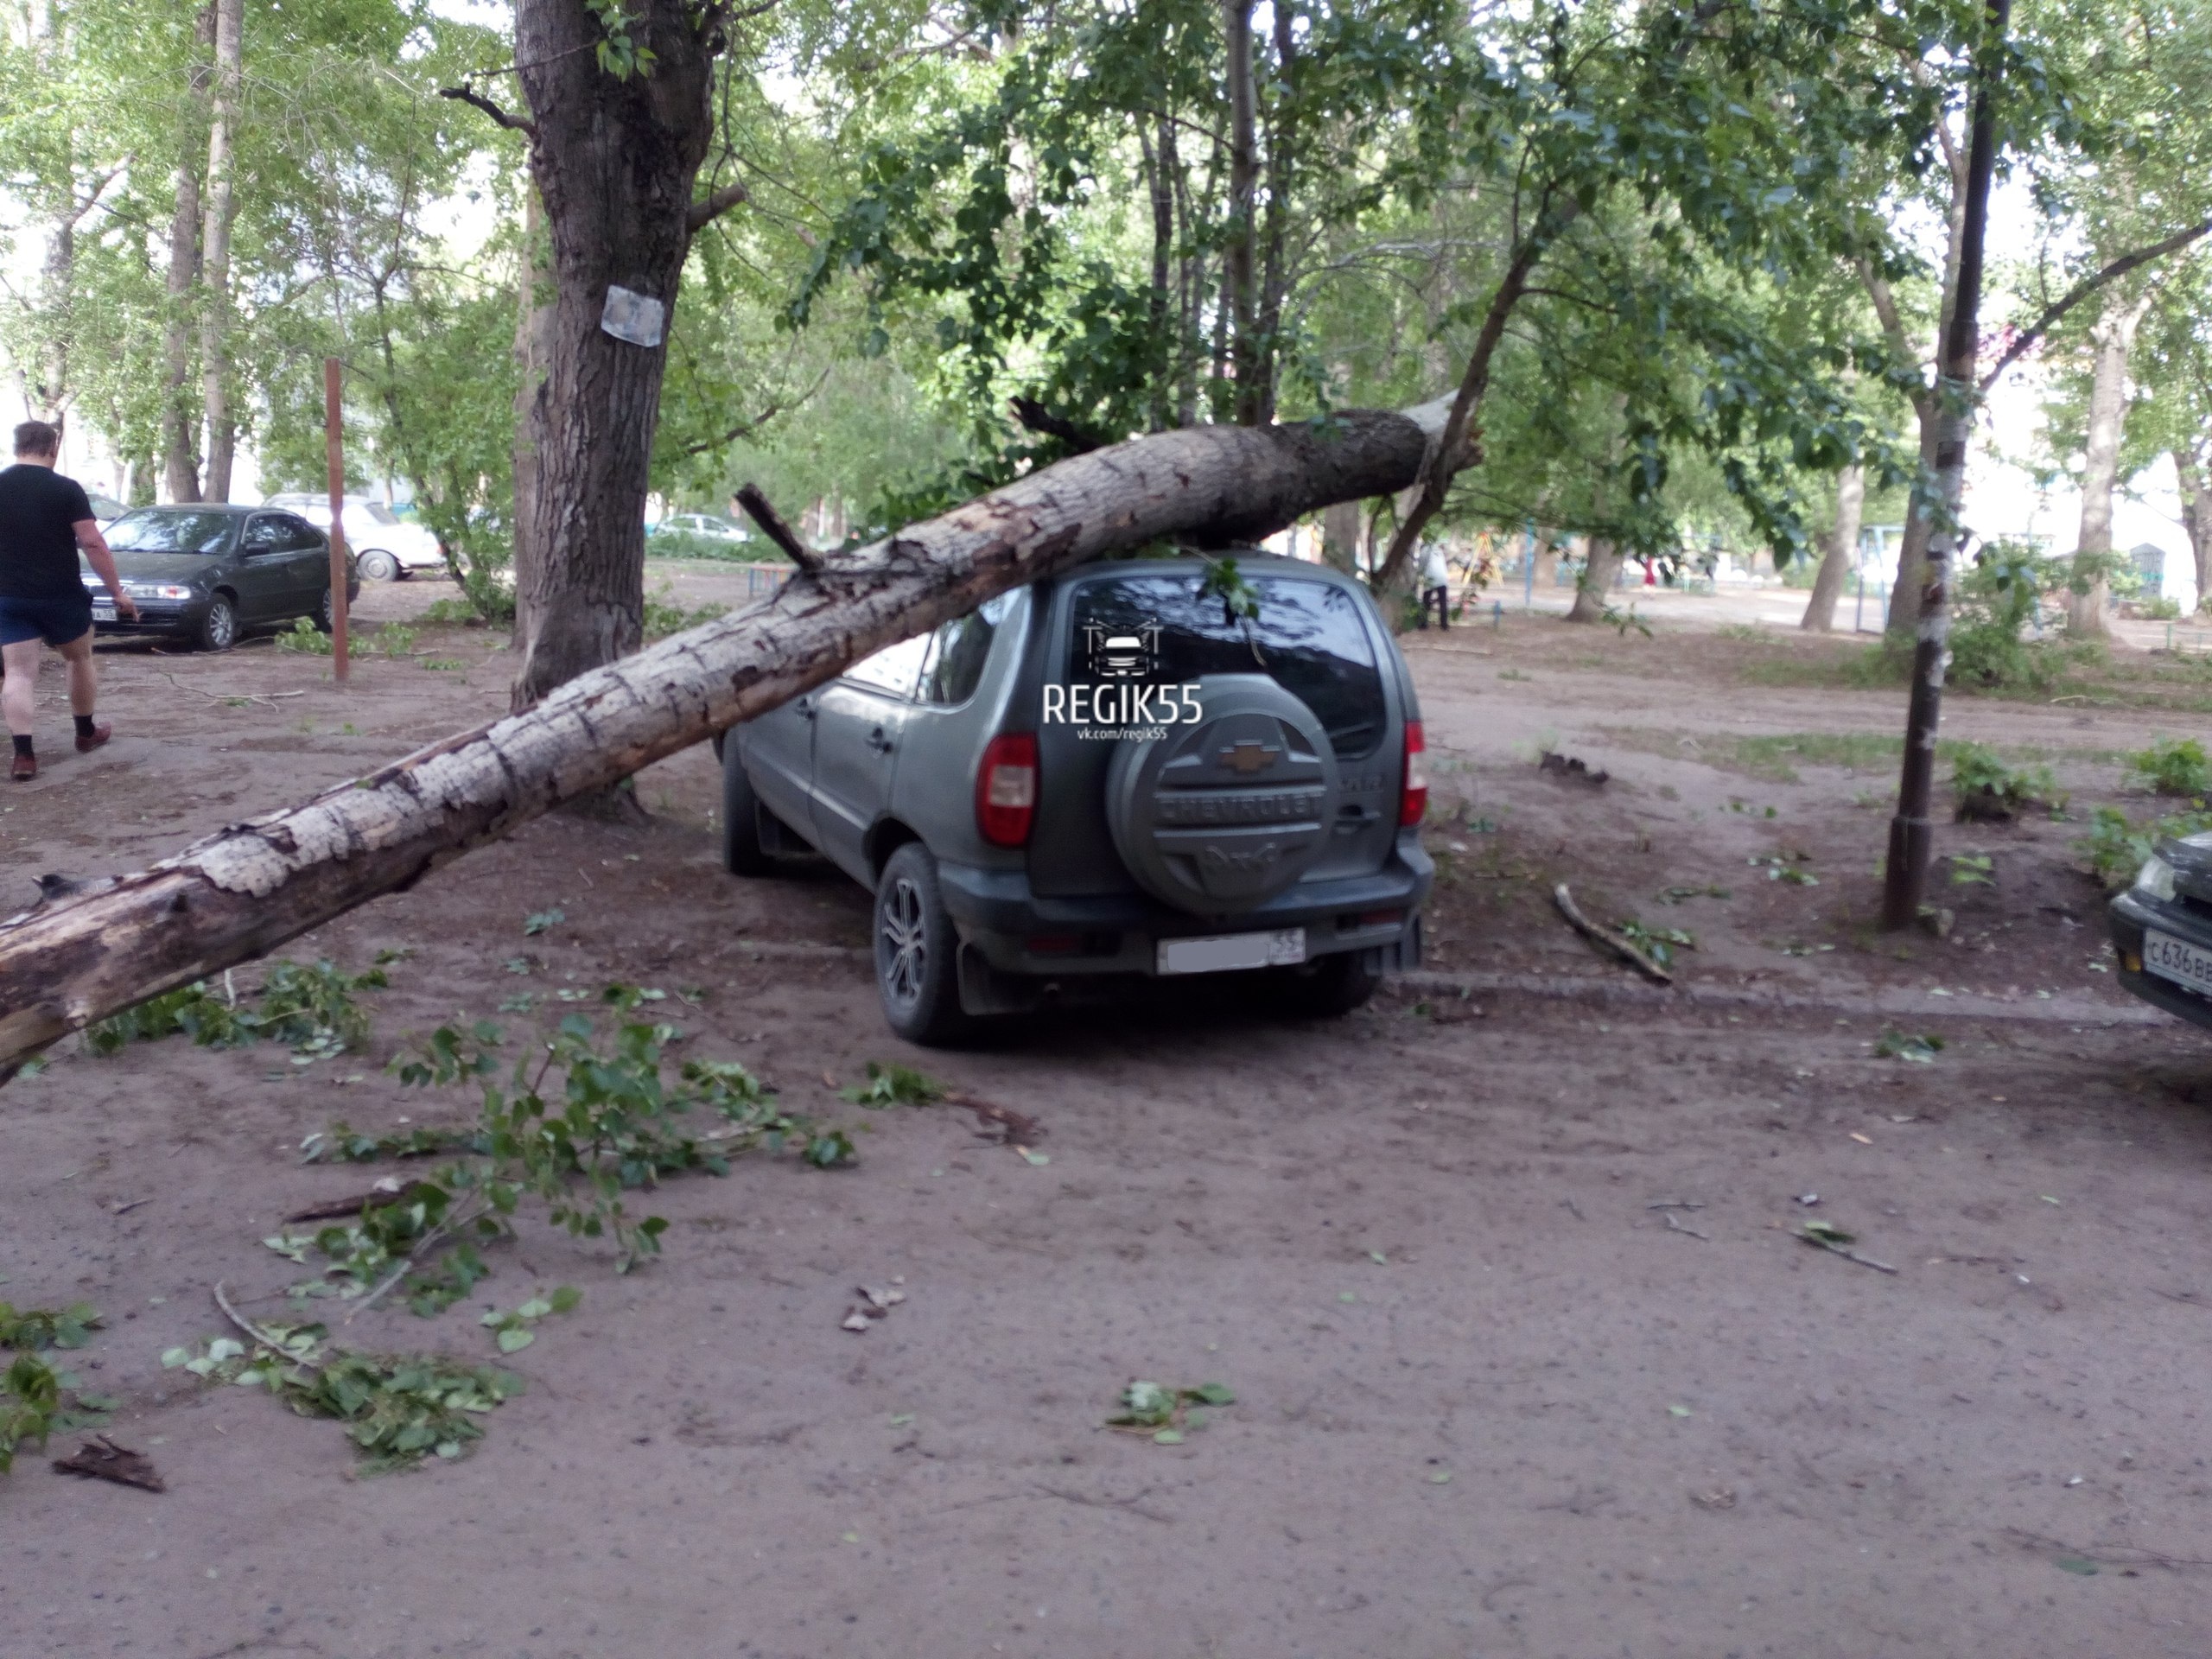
<point x="2116" y="846"/>
<point x="1971" y="869"/>
<point x="513" y="1330"/>
<point x="1984" y="788"/>
<point x="1998" y="596"/>
<point x="1659" y="943"/>
<point x="662" y="617"/>
<point x="398" y="1409"/>
<point x="30" y="1401"/>
<point x="1900" y="1046"/>
<point x="2172" y="766"/>
<point x="305" y="637"/>
<point x="1161" y="1413"/>
<point x="543" y="921"/>
<point x="610" y="1125"/>
<point x="893" y="1084"/>
<point x="33" y="1330"/>
<point x="311" y="1010"/>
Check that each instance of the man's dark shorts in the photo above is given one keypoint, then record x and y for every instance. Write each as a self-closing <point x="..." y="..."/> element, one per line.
<point x="57" y="621"/>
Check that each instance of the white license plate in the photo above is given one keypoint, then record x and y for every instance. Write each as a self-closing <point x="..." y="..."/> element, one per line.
<point x="103" y="612"/>
<point x="1225" y="952"/>
<point x="2177" y="960"/>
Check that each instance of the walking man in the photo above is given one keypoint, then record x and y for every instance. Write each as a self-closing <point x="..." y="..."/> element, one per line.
<point x="1435" y="586"/>
<point x="44" y="519"/>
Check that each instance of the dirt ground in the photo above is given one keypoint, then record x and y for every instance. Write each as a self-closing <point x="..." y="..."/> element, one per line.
<point x="1500" y="1270"/>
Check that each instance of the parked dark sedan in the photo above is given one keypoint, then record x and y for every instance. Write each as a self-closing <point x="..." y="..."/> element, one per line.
<point x="207" y="574"/>
<point x="2161" y="927"/>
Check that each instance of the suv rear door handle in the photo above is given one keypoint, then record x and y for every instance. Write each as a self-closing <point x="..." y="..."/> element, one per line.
<point x="879" y="742"/>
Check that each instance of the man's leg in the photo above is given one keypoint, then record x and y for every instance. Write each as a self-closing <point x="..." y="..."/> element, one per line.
<point x="19" y="702"/>
<point x="83" y="690"/>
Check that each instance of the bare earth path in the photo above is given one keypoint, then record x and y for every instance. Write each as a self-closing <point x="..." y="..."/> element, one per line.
<point x="1490" y="1399"/>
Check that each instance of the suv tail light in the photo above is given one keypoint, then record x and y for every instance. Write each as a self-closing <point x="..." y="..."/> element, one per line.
<point x="1414" y="801"/>
<point x="1006" y="789"/>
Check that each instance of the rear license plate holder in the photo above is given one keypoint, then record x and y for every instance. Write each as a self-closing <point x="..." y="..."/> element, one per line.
<point x="1223" y="953"/>
<point x="2177" y="960"/>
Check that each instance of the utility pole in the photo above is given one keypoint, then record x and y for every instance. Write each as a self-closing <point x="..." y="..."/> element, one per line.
<point x="340" y="567"/>
<point x="1911" y="831"/>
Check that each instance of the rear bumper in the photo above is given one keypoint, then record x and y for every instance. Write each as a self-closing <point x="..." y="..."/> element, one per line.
<point x="2128" y="916"/>
<point x="1005" y="923"/>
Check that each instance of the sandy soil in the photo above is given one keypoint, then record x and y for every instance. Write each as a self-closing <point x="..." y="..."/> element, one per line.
<point x="1500" y="1269"/>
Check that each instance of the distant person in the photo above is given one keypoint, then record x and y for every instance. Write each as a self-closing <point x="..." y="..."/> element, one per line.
<point x="1435" y="586"/>
<point x="44" y="519"/>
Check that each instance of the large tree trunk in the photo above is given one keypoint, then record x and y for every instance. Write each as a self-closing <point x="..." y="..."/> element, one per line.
<point x="1842" y="550"/>
<point x="2196" y="520"/>
<point x="1591" y="593"/>
<point x="245" y="890"/>
<point x="215" y="245"/>
<point x="614" y="161"/>
<point x="180" y="453"/>
<point x="533" y="322"/>
<point x="2113" y="337"/>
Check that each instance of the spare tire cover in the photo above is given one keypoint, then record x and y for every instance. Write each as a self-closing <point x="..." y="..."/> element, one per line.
<point x="1223" y="815"/>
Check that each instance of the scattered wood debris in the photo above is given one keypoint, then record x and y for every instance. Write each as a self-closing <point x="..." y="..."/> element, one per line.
<point x="1571" y="769"/>
<point x="1606" y="939"/>
<point x="389" y="1190"/>
<point x="1000" y="1123"/>
<point x="101" y="1459"/>
<point x="873" y="1304"/>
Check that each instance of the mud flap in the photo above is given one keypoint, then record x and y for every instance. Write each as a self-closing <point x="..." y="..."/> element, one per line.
<point x="984" y="989"/>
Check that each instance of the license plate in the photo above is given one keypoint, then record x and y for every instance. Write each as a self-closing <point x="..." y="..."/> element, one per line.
<point x="2177" y="960"/>
<point x="103" y="612"/>
<point x="1225" y="952"/>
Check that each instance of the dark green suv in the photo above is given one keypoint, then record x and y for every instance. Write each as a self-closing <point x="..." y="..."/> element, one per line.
<point x="1118" y="773"/>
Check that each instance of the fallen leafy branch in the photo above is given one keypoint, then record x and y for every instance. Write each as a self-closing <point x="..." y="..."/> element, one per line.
<point x="1606" y="940"/>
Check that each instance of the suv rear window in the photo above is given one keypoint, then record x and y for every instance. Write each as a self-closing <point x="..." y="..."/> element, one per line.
<point x="1309" y="636"/>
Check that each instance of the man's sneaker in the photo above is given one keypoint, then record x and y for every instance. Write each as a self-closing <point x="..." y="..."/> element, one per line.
<point x="25" y="769"/>
<point x="87" y="741"/>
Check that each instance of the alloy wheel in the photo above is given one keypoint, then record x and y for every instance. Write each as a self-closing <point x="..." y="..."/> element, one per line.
<point x="901" y="951"/>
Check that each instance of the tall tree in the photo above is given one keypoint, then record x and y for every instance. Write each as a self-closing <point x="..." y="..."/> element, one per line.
<point x="217" y="214"/>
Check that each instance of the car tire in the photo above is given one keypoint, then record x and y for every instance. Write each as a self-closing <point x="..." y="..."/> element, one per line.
<point x="743" y="851"/>
<point x="326" y="615"/>
<point x="917" y="952"/>
<point x="377" y="565"/>
<point x="219" y="627"/>
<point x="1325" y="989"/>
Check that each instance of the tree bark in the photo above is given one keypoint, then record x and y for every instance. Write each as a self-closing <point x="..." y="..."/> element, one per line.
<point x="1340" y="536"/>
<point x="1599" y="571"/>
<point x="2113" y="337"/>
<point x="533" y="322"/>
<point x="1843" y="546"/>
<point x="245" y="890"/>
<point x="179" y="451"/>
<point x="1159" y="170"/>
<point x="215" y="245"/>
<point x="2196" y="520"/>
<point x="615" y="160"/>
<point x="1243" y="182"/>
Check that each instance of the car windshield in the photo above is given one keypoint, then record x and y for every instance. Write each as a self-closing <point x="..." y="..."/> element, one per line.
<point x="1308" y="636"/>
<point x="382" y="514"/>
<point x="154" y="530"/>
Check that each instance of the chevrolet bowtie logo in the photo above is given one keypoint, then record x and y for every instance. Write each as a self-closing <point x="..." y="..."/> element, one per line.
<point x="1249" y="755"/>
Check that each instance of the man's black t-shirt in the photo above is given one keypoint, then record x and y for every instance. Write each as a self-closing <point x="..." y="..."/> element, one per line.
<point x="39" y="511"/>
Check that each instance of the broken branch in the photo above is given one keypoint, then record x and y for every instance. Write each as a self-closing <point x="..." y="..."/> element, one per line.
<point x="1605" y="939"/>
<point x="772" y="526"/>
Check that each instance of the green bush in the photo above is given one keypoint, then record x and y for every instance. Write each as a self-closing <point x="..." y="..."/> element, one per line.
<point x="1984" y="789"/>
<point x="2116" y="846"/>
<point x="682" y="544"/>
<point x="2172" y="766"/>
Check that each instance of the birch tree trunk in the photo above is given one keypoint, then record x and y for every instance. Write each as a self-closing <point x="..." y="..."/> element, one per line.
<point x="533" y="321"/>
<point x="1340" y="536"/>
<point x="247" y="889"/>
<point x="2114" y="337"/>
<point x="215" y="256"/>
<point x="1842" y="550"/>
<point x="1903" y="618"/>
<point x="614" y="161"/>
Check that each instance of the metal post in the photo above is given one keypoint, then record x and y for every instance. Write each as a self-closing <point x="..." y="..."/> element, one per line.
<point x="334" y="441"/>
<point x="1912" y="831"/>
<point x="1528" y="571"/>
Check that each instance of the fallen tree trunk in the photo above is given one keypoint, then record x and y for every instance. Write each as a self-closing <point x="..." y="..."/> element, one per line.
<point x="248" y="889"/>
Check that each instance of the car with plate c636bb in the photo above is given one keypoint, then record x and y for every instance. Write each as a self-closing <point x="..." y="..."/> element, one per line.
<point x="2161" y="927"/>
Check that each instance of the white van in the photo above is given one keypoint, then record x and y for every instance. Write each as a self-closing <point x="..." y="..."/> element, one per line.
<point x="385" y="547"/>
